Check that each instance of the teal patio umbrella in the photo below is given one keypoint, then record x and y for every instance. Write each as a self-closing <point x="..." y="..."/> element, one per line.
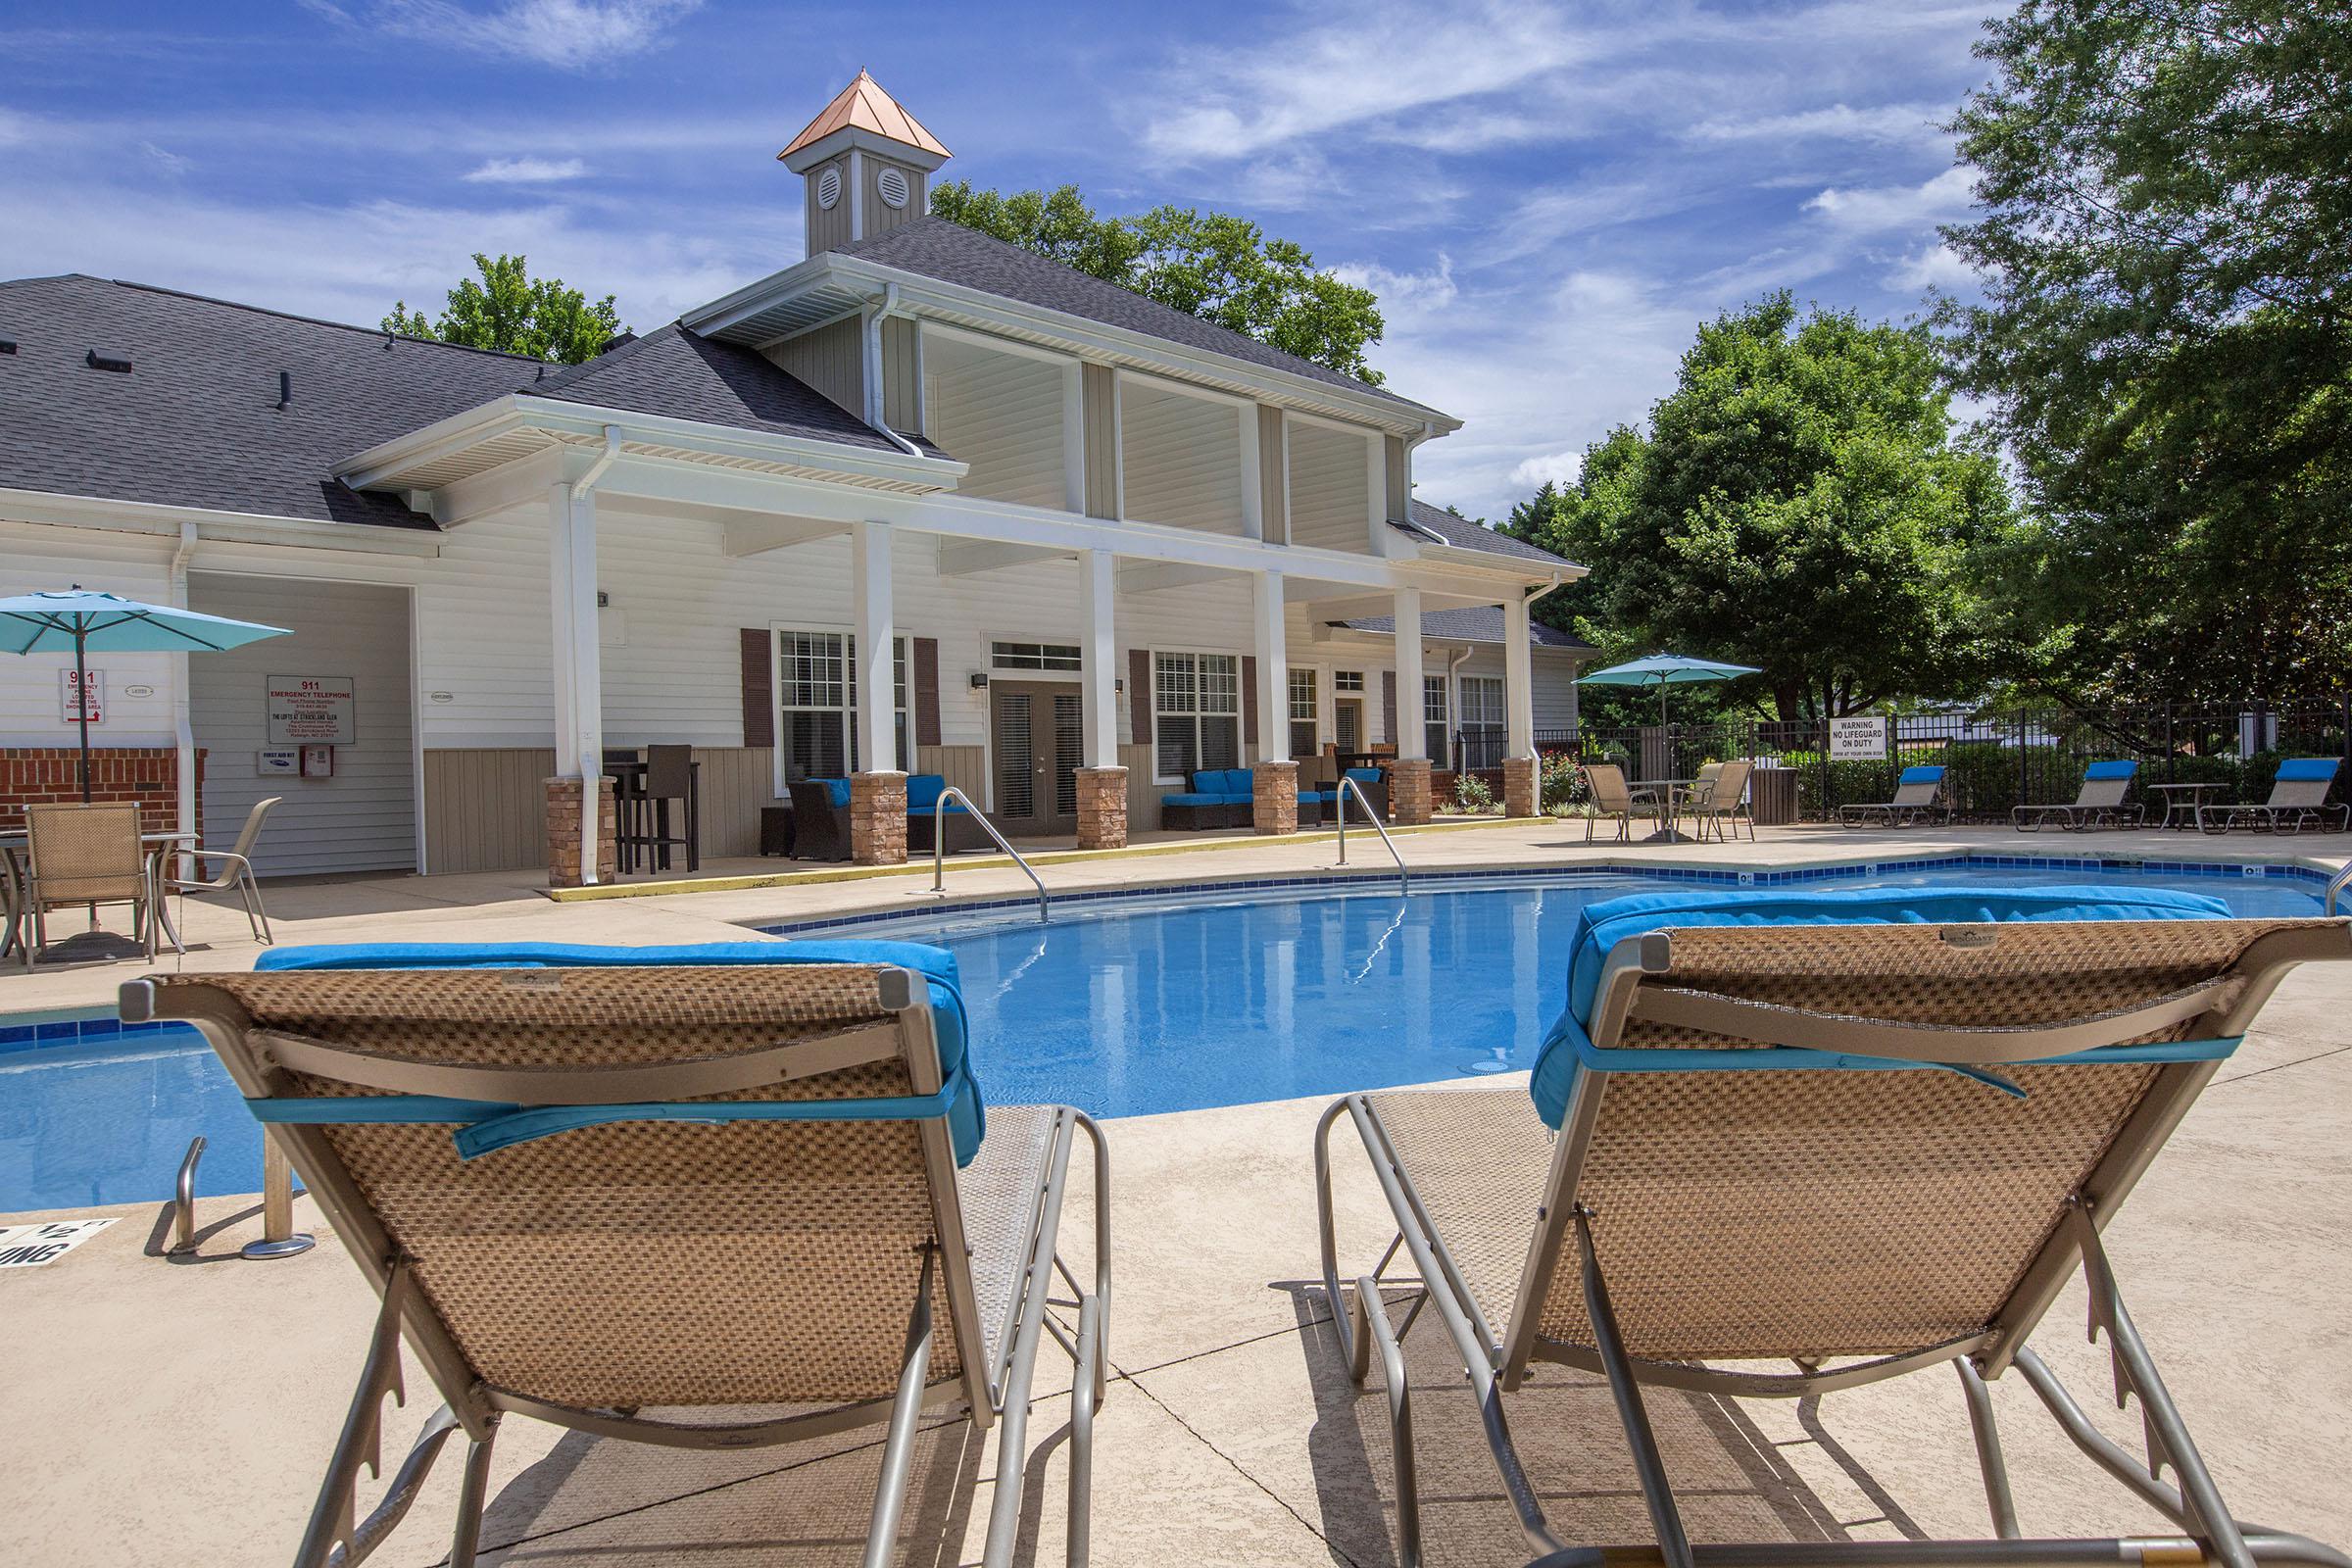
<point x="1663" y="671"/>
<point x="81" y="622"/>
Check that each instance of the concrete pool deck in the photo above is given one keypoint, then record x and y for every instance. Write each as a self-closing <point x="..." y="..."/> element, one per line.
<point x="182" y="1411"/>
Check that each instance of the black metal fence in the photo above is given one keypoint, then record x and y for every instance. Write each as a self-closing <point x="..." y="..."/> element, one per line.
<point x="1995" y="760"/>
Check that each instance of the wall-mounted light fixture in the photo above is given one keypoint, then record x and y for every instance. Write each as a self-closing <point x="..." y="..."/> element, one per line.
<point x="979" y="680"/>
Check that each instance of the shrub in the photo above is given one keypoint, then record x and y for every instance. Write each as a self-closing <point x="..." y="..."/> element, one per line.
<point x="1471" y="796"/>
<point x="1558" y="780"/>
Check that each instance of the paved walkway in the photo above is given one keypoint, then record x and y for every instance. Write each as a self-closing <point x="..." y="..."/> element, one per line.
<point x="182" y="1411"/>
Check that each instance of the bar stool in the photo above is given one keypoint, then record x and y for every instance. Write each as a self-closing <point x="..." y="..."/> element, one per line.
<point x="669" y="775"/>
<point x="623" y="763"/>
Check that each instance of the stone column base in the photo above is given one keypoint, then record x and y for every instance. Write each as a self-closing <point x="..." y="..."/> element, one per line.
<point x="1409" y="802"/>
<point x="1274" y="798"/>
<point x="1519" y="787"/>
<point x="563" y="833"/>
<point x="1102" y="808"/>
<point x="878" y="818"/>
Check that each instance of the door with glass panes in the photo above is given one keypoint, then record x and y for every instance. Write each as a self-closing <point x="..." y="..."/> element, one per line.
<point x="1036" y="735"/>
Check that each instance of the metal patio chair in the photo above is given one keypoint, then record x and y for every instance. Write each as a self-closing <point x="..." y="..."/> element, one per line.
<point x="2298" y="799"/>
<point x="1722" y="803"/>
<point x="1613" y="798"/>
<point x="76" y="855"/>
<point x="235" y="873"/>
<point x="511" y="1140"/>
<point x="2098" y="804"/>
<point x="1918" y="798"/>
<point x="1916" y="1122"/>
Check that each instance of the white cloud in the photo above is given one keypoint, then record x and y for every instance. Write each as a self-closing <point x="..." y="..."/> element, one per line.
<point x="526" y="171"/>
<point x="1881" y="123"/>
<point x="568" y="34"/>
<point x="1549" y="467"/>
<point x="1404" y="296"/>
<point x="169" y="163"/>
<point x="1878" y="207"/>
<point x="1936" y="266"/>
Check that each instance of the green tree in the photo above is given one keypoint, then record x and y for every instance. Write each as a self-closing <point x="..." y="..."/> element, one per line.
<point x="511" y="312"/>
<point x="2164" y="193"/>
<point x="1798" y="503"/>
<point x="1214" y="266"/>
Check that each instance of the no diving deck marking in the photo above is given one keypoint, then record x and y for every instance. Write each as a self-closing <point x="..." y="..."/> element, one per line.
<point x="32" y="1245"/>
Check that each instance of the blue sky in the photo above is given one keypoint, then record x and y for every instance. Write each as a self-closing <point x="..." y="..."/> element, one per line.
<point x="1548" y="198"/>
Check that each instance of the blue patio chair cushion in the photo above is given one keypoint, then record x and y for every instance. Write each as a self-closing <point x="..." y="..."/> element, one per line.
<point x="1317" y="797"/>
<point x="1194" y="797"/>
<point x="2111" y="771"/>
<point x="1210" y="782"/>
<point x="2306" y="769"/>
<point x="967" y="1120"/>
<point x="837" y="790"/>
<point x="923" y="791"/>
<point x="1604" y="925"/>
<point x="1923" y="773"/>
<point x="1364" y="775"/>
<point x="1241" y="783"/>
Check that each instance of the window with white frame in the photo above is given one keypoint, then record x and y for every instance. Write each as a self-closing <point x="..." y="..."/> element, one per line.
<point x="1302" y="712"/>
<point x="1432" y="718"/>
<point x="816" y="702"/>
<point x="1347" y="680"/>
<point x="1482" y="720"/>
<point x="1195" y="713"/>
<point x="1034" y="656"/>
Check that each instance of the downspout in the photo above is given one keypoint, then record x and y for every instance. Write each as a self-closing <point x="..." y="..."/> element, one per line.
<point x="1453" y="692"/>
<point x="184" y="733"/>
<point x="592" y="764"/>
<point x="873" y="370"/>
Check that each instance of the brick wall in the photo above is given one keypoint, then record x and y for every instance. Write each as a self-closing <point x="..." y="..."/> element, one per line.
<point x="149" y="775"/>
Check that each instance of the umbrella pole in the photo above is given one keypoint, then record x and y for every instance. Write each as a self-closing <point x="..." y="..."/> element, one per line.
<point x="81" y="702"/>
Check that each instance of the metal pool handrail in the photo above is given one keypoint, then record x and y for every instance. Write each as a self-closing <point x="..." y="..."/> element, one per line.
<point x="939" y="845"/>
<point x="1348" y="787"/>
<point x="183" y="1201"/>
<point x="2336" y="885"/>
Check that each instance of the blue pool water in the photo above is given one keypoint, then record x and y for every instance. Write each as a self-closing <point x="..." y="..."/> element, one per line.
<point x="1119" y="1006"/>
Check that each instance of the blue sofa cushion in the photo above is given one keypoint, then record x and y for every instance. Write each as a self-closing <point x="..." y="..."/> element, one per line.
<point x="2111" y="771"/>
<point x="967" y="1120"/>
<point x="923" y="791"/>
<point x="1194" y="797"/>
<point x="837" y="790"/>
<point x="1241" y="783"/>
<point x="1604" y="925"/>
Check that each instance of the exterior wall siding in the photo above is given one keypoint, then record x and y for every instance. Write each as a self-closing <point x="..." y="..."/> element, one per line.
<point x="902" y="377"/>
<point x="1002" y="414"/>
<point x="1273" y="475"/>
<point x="1182" y="458"/>
<point x="831" y="359"/>
<point x="485" y="808"/>
<point x="1330" y="503"/>
<point x="829" y="229"/>
<point x="1100" y="408"/>
<point x="880" y="217"/>
<point x="1397" y="465"/>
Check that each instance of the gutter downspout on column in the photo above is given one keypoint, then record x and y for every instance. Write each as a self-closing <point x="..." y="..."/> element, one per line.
<point x="585" y="635"/>
<point x="184" y="733"/>
<point x="1453" y="696"/>
<point x="875" y="403"/>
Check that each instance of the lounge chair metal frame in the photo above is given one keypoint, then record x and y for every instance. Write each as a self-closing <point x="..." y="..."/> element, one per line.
<point x="1496" y="1364"/>
<point x="1913" y="804"/>
<point x="2099" y="803"/>
<point x="263" y="1062"/>
<point x="2295" y="805"/>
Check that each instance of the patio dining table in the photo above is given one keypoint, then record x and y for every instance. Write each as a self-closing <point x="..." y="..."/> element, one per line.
<point x="2189" y="809"/>
<point x="16" y="918"/>
<point x="1672" y="795"/>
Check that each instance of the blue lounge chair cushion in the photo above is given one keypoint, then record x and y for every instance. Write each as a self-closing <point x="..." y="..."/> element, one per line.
<point x="2111" y="771"/>
<point x="2306" y="769"/>
<point x="837" y="790"/>
<point x="1194" y="797"/>
<point x="1601" y="926"/>
<point x="1923" y="773"/>
<point x="967" y="1119"/>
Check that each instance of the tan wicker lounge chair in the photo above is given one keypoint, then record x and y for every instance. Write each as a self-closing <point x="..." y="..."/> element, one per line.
<point x="802" y="1121"/>
<point x="1860" y="1150"/>
<point x="1613" y="798"/>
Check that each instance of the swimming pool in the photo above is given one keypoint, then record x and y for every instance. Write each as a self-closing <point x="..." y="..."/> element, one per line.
<point x="1123" y="1006"/>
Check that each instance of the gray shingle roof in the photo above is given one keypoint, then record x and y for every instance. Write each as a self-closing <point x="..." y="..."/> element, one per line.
<point x="1468" y="536"/>
<point x="679" y="374"/>
<point x="944" y="250"/>
<point x="1481" y="623"/>
<point x="196" y="421"/>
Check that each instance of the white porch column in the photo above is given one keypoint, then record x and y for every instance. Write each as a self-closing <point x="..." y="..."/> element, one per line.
<point x="579" y="824"/>
<point x="1099" y="651"/>
<point x="877" y="696"/>
<point x="1412" y="737"/>
<point x="1101" y="781"/>
<point x="1521" y="788"/>
<point x="1273" y="669"/>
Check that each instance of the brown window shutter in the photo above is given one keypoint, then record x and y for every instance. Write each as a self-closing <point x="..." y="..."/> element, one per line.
<point x="1139" y="696"/>
<point x="926" y="691"/>
<point x="1248" y="700"/>
<point x="759" y="687"/>
<point x="1388" y="705"/>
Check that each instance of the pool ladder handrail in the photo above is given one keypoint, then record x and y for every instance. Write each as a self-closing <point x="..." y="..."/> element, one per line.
<point x="183" y="1201"/>
<point x="2335" y="887"/>
<point x="1349" y="786"/>
<point x="938" y="845"/>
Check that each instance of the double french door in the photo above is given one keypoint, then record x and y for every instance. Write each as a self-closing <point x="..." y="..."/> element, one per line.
<point x="1036" y="733"/>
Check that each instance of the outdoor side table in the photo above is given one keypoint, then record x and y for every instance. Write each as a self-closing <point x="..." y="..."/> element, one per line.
<point x="2183" y="801"/>
<point x="775" y="830"/>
